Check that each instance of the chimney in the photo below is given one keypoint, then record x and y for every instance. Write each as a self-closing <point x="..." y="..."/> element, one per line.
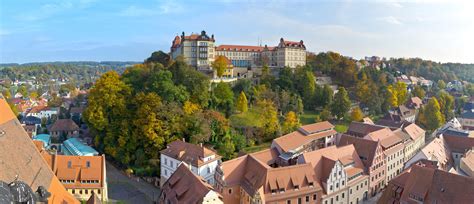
<point x="200" y="144"/>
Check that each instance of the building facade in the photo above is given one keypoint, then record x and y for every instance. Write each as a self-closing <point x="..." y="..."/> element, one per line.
<point x="200" y="50"/>
<point x="202" y="161"/>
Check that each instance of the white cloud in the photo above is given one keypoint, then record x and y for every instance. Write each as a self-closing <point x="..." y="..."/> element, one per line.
<point x="391" y="20"/>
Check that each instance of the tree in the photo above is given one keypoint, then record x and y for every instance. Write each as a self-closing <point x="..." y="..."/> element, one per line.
<point x="159" y="57"/>
<point x="325" y="115"/>
<point x="223" y="97"/>
<point x="341" y="103"/>
<point x="356" y="114"/>
<point x="227" y="148"/>
<point x="432" y="114"/>
<point x="7" y="94"/>
<point x="326" y="95"/>
<point x="162" y="83"/>
<point x="291" y="122"/>
<point x="269" y="118"/>
<point x="401" y="93"/>
<point x="34" y="95"/>
<point x="190" y="107"/>
<point x="446" y="103"/>
<point x="392" y="98"/>
<point x="219" y="65"/>
<point x="419" y="92"/>
<point x="242" y="103"/>
<point x="441" y="84"/>
<point x="23" y="90"/>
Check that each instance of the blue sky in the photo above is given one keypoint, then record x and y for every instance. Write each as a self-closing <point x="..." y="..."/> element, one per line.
<point x="47" y="30"/>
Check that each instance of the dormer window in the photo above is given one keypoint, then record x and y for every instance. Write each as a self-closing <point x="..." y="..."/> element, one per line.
<point x="311" y="184"/>
<point x="282" y="190"/>
<point x="297" y="187"/>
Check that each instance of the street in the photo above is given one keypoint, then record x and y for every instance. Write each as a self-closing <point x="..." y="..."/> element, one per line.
<point x="123" y="189"/>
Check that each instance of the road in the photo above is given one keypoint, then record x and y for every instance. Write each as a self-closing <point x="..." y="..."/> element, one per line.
<point x="123" y="189"/>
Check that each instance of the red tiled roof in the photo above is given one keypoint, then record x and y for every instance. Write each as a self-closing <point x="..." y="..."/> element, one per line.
<point x="459" y="144"/>
<point x="188" y="153"/>
<point x="184" y="187"/>
<point x="64" y="125"/>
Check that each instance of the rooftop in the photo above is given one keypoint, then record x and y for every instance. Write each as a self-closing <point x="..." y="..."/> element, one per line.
<point x="189" y="153"/>
<point x="73" y="146"/>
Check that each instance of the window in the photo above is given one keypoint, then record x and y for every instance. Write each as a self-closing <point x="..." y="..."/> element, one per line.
<point x="208" y="170"/>
<point x="80" y="191"/>
<point x="350" y="191"/>
<point x="230" y="191"/>
<point x="73" y="191"/>
<point x="88" y="164"/>
<point x="337" y="185"/>
<point x="337" y="198"/>
<point x="288" y="201"/>
<point x="342" y="182"/>
<point x="69" y="164"/>
<point x="330" y="187"/>
<point x="314" y="197"/>
<point x="166" y="161"/>
<point x="98" y="191"/>
<point x="299" y="201"/>
<point x="307" y="198"/>
<point x="339" y="173"/>
<point x="342" y="195"/>
<point x="166" y="172"/>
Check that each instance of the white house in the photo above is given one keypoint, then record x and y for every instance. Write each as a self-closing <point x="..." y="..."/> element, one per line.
<point x="202" y="161"/>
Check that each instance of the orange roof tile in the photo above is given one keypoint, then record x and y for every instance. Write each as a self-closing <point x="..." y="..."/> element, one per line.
<point x="189" y="153"/>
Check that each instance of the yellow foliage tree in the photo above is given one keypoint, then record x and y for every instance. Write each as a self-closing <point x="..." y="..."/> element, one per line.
<point x="242" y="103"/>
<point x="219" y="65"/>
<point x="291" y="122"/>
<point x="356" y="114"/>
<point x="190" y="107"/>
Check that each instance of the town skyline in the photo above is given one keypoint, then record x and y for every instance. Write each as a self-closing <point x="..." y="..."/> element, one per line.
<point x="91" y="30"/>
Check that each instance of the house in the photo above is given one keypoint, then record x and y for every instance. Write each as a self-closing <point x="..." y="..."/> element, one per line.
<point x="42" y="112"/>
<point x="422" y="184"/>
<point x="30" y="129"/>
<point x="466" y="164"/>
<point x="437" y="150"/>
<point x="306" y="138"/>
<point x="202" y="160"/>
<point x="80" y="175"/>
<point x="64" y="128"/>
<point x="252" y="178"/>
<point x="21" y="160"/>
<point x="392" y="142"/>
<point x="183" y="186"/>
<point x="340" y="172"/>
<point x="405" y="113"/>
<point x="414" y="103"/>
<point x="467" y="120"/>
<point x="459" y="146"/>
<point x="371" y="154"/>
<point x="31" y="120"/>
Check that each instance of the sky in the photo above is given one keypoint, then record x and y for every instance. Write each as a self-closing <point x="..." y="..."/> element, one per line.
<point x="130" y="30"/>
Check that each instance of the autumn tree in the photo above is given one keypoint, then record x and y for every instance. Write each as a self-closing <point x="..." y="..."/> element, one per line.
<point x="223" y="97"/>
<point x="190" y="107"/>
<point x="356" y="114"/>
<point x="242" y="103"/>
<point x="219" y="65"/>
<point x="392" y="98"/>
<point x="291" y="122"/>
<point x="7" y="94"/>
<point x="446" y="103"/>
<point x="432" y="114"/>
<point x="269" y="117"/>
<point x="341" y="103"/>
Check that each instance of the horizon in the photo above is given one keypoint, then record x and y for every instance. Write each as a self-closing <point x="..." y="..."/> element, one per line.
<point x="106" y="30"/>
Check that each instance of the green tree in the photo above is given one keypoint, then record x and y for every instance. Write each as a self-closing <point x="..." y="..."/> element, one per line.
<point x="432" y="114"/>
<point x="242" y="103"/>
<point x="223" y="97"/>
<point x="446" y="103"/>
<point x="196" y="83"/>
<point x="325" y="115"/>
<point x="441" y="84"/>
<point x="341" y="103"/>
<point x="227" y="148"/>
<point x="162" y="83"/>
<point x="219" y="65"/>
<point x="291" y="122"/>
<point x="7" y="94"/>
<point x="419" y="92"/>
<point x="23" y="90"/>
<point x="326" y="95"/>
<point x="159" y="57"/>
<point x="356" y="114"/>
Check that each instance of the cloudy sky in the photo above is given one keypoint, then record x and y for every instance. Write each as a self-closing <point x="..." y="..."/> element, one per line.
<point x="68" y="30"/>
